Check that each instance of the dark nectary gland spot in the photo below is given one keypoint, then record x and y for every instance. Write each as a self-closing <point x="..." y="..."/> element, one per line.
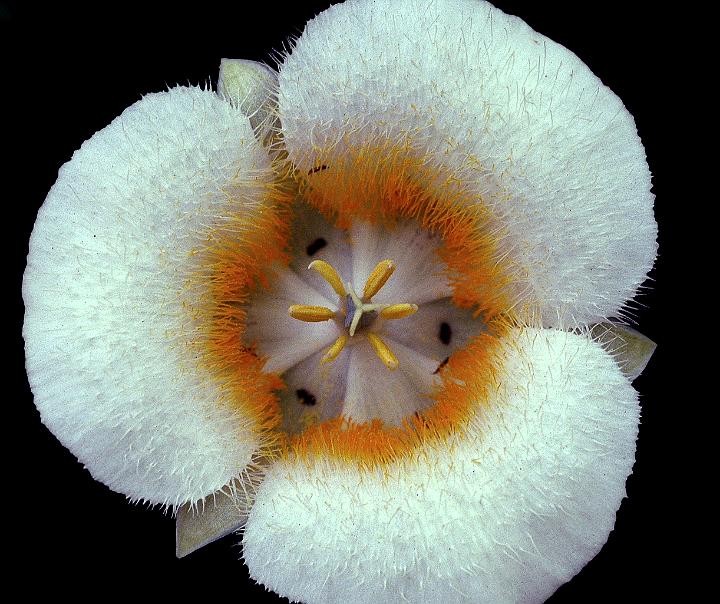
<point x="305" y="397"/>
<point x="445" y="333"/>
<point x="315" y="246"/>
<point x="441" y="365"/>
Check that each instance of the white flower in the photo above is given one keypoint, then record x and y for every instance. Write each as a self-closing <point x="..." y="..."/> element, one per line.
<point x="467" y="183"/>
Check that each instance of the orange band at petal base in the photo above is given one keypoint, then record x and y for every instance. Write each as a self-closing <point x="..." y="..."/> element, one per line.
<point x="469" y="376"/>
<point x="237" y="259"/>
<point x="383" y="184"/>
<point x="387" y="182"/>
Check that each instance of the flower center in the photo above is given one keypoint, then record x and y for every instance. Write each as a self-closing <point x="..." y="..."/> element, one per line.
<point x="356" y="312"/>
<point x="365" y="331"/>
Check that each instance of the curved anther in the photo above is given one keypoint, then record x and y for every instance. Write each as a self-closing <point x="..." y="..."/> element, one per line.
<point x="398" y="311"/>
<point x="379" y="276"/>
<point x="328" y="272"/>
<point x="334" y="350"/>
<point x="383" y="351"/>
<point x="311" y="314"/>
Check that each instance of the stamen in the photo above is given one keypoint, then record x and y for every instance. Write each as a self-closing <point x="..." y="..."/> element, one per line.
<point x="357" y="313"/>
<point x="334" y="350"/>
<point x="398" y="311"/>
<point x="384" y="353"/>
<point x="311" y="314"/>
<point x="330" y="275"/>
<point x="379" y="276"/>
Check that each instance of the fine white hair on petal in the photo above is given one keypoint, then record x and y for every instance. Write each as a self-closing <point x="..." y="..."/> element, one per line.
<point x="110" y="319"/>
<point x="520" y="120"/>
<point x="506" y="512"/>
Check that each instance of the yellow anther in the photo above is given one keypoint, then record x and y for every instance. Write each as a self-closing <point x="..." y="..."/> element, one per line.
<point x="379" y="276"/>
<point x="398" y="311"/>
<point x="384" y="353"/>
<point x="328" y="272"/>
<point x="311" y="314"/>
<point x="334" y="350"/>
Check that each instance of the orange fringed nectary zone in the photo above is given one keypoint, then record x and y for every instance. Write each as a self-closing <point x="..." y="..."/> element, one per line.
<point x="469" y="377"/>
<point x="379" y="185"/>
<point x="386" y="182"/>
<point x="382" y="184"/>
<point x="236" y="259"/>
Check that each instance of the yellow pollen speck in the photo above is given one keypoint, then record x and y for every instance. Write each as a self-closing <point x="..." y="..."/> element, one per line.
<point x="384" y="353"/>
<point x="310" y="419"/>
<point x="398" y="311"/>
<point x="311" y="314"/>
<point x="379" y="276"/>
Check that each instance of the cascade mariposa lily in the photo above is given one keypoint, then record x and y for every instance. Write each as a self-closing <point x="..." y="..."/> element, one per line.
<point x="368" y="308"/>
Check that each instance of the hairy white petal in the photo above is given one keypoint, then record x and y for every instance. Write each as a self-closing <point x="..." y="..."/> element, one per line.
<point x="505" y="513"/>
<point x="518" y="118"/>
<point x="109" y="318"/>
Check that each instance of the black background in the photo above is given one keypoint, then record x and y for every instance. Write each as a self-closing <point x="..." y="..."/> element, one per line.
<point x="69" y="70"/>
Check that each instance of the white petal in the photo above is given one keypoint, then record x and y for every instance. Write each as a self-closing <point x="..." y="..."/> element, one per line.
<point x="522" y="121"/>
<point x="505" y="513"/>
<point x="313" y="238"/>
<point x="374" y="392"/>
<point x="109" y="326"/>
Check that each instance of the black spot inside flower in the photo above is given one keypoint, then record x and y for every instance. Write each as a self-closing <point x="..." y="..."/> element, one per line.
<point x="445" y="333"/>
<point x="317" y="169"/>
<point x="315" y="246"/>
<point x="441" y="365"/>
<point x="305" y="397"/>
